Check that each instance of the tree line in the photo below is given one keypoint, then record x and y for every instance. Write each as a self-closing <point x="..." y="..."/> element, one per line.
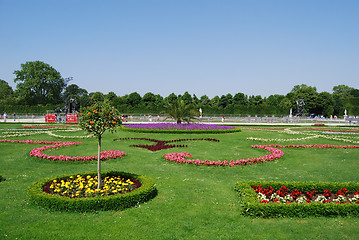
<point x="40" y="87"/>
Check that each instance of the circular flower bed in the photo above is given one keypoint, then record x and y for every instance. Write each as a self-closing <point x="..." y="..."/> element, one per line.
<point x="78" y="192"/>
<point x="180" y="128"/>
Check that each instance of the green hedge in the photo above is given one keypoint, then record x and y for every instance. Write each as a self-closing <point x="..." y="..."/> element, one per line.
<point x="142" y="194"/>
<point x="251" y="206"/>
<point x="142" y="130"/>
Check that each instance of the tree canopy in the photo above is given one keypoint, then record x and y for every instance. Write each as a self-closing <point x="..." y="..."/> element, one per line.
<point x="39" y="83"/>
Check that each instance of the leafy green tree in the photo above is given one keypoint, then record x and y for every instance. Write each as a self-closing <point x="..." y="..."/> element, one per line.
<point x="204" y="101"/>
<point x="73" y="91"/>
<point x="6" y="93"/>
<point x="325" y="103"/>
<point x="113" y="99"/>
<point x="308" y="94"/>
<point x="187" y="98"/>
<point x="97" y="97"/>
<point x="39" y="83"/>
<point x="171" y="98"/>
<point x="134" y="99"/>
<point x="96" y="119"/>
<point x="181" y="111"/>
<point x="342" y="90"/>
<point x="240" y="99"/>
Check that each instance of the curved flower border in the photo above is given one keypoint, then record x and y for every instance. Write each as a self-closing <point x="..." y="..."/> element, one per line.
<point x="273" y="148"/>
<point x="37" y="152"/>
<point x="29" y="132"/>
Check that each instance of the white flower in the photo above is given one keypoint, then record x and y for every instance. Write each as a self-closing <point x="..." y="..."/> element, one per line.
<point x="301" y="199"/>
<point x="320" y="198"/>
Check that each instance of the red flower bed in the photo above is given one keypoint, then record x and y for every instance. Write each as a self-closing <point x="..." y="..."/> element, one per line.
<point x="160" y="145"/>
<point x="284" y="195"/>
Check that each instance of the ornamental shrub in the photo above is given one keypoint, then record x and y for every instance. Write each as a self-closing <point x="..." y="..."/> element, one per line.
<point x="38" y="197"/>
<point x="251" y="206"/>
<point x="96" y="119"/>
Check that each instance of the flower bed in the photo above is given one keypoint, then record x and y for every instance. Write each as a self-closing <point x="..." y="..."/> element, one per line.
<point x="181" y="158"/>
<point x="252" y="205"/>
<point x="86" y="186"/>
<point x="37" y="152"/>
<point x="273" y="148"/>
<point x="180" y="128"/>
<point x="104" y="155"/>
<point x="286" y="196"/>
<point x="93" y="201"/>
<point x="163" y="144"/>
<point x="46" y="127"/>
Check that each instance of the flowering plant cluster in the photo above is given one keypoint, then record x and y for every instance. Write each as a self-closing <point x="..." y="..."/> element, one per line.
<point x="180" y="126"/>
<point x="43" y="126"/>
<point x="31" y="141"/>
<point x="17" y="133"/>
<point x="37" y="152"/>
<point x="321" y="146"/>
<point x="104" y="155"/>
<point x="163" y="144"/>
<point x="180" y="158"/>
<point x="284" y="195"/>
<point x="273" y="148"/>
<point x="85" y="186"/>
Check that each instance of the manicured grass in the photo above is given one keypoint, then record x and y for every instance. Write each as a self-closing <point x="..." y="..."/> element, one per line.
<point x="193" y="202"/>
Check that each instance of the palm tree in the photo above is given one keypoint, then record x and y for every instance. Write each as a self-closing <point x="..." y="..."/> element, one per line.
<point x="181" y="112"/>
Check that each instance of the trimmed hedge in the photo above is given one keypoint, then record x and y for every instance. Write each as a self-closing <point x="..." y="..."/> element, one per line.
<point x="142" y="130"/>
<point x="251" y="206"/>
<point x="142" y="194"/>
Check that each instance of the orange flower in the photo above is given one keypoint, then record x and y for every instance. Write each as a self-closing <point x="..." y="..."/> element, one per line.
<point x="114" y="122"/>
<point x="95" y="111"/>
<point x="81" y="114"/>
<point x="91" y="122"/>
<point x="88" y="113"/>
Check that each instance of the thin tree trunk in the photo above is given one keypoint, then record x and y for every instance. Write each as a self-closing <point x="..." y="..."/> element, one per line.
<point x="99" y="164"/>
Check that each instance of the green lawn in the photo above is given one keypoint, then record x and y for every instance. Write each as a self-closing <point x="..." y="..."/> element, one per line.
<point x="193" y="202"/>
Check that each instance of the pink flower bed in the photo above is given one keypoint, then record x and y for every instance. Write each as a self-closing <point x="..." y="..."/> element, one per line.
<point x="180" y="158"/>
<point x="37" y="152"/>
<point x="65" y="126"/>
<point x="273" y="148"/>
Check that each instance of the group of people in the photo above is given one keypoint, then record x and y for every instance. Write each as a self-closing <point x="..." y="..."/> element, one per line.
<point x="5" y="116"/>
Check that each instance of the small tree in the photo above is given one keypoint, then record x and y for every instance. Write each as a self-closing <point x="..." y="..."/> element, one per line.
<point x="96" y="119"/>
<point x="181" y="112"/>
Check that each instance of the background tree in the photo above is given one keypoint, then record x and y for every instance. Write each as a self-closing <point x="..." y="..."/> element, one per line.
<point x="39" y="83"/>
<point x="113" y="99"/>
<point x="73" y="91"/>
<point x="6" y="93"/>
<point x="133" y="99"/>
<point x="97" y="97"/>
<point x="96" y="119"/>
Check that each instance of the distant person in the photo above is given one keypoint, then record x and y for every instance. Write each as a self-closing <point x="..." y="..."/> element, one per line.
<point x="5" y="116"/>
<point x="14" y="114"/>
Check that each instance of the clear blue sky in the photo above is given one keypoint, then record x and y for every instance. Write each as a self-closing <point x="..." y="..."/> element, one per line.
<point x="258" y="47"/>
